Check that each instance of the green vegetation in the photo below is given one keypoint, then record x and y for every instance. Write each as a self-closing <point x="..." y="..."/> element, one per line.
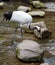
<point x="1" y="36"/>
<point x="17" y="52"/>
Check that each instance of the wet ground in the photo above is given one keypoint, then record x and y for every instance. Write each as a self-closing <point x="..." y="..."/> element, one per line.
<point x="7" y="47"/>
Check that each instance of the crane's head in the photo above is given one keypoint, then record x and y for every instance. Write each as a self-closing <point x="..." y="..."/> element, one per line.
<point x="7" y="15"/>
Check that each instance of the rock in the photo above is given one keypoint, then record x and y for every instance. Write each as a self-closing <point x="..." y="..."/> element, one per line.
<point x="24" y="8"/>
<point x="1" y="4"/>
<point x="29" y="50"/>
<point x="44" y="64"/>
<point x="38" y="4"/>
<point x="37" y="13"/>
<point x="41" y="31"/>
<point x="50" y="6"/>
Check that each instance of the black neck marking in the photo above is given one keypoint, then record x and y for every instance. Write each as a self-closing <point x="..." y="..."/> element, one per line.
<point x="8" y="15"/>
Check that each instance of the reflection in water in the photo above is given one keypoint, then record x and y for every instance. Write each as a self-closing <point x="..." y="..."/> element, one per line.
<point x="51" y="60"/>
<point x="52" y="46"/>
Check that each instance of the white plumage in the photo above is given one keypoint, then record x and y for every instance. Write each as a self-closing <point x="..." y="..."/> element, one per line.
<point x="20" y="17"/>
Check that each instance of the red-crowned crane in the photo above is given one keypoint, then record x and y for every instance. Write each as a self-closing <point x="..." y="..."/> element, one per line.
<point x="18" y="16"/>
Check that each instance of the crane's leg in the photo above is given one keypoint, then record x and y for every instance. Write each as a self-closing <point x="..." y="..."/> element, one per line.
<point x="21" y="30"/>
<point x="16" y="28"/>
<point x="21" y="33"/>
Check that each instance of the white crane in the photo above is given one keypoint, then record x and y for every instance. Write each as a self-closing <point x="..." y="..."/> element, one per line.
<point x="18" y="16"/>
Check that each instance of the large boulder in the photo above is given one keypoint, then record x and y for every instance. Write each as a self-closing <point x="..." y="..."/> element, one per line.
<point x="41" y="31"/>
<point x="38" y="4"/>
<point x="24" y="8"/>
<point x="37" y="13"/>
<point x="29" y="50"/>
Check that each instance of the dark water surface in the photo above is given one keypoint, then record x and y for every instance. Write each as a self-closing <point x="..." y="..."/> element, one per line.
<point x="7" y="48"/>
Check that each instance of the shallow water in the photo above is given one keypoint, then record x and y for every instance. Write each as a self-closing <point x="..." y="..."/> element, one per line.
<point x="7" y="47"/>
<point x="50" y="6"/>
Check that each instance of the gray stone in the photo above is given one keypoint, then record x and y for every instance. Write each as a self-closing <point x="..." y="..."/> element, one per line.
<point x="29" y="50"/>
<point x="24" y="8"/>
<point x="50" y="6"/>
<point x="37" y="13"/>
<point x="38" y="4"/>
<point x="41" y="31"/>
